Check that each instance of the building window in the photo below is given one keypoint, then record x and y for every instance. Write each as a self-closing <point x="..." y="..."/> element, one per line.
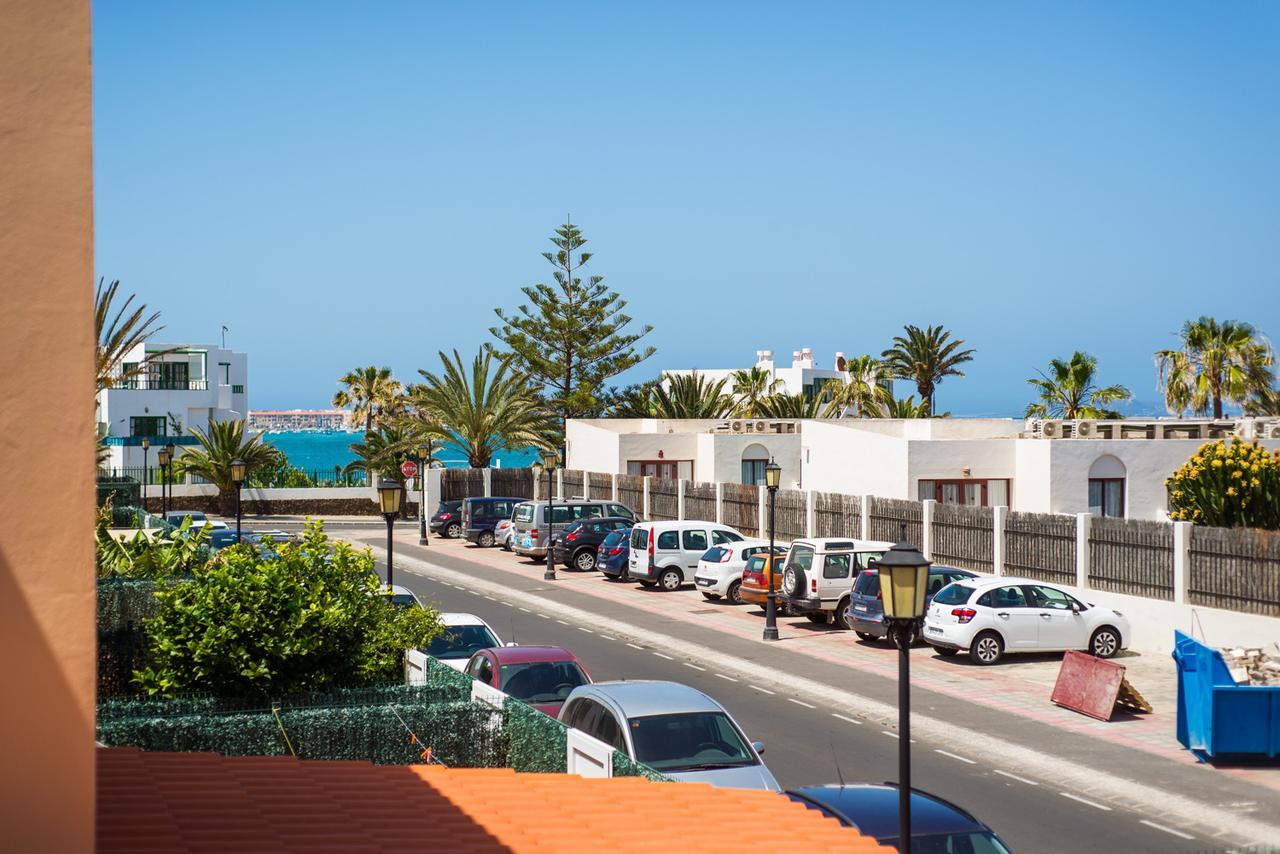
<point x="1106" y="496"/>
<point x="993" y="492"/>
<point x="668" y="469"/>
<point x="226" y="372"/>
<point x="754" y="458"/>
<point x="147" y="425"/>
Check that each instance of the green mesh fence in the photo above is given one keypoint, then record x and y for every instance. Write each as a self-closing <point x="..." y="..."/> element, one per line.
<point x="122" y="601"/>
<point x="123" y="605"/>
<point x="625" y="766"/>
<point x="535" y="742"/>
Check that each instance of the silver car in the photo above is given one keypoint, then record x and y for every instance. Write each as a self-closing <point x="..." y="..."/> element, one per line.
<point x="530" y="532"/>
<point x="674" y="729"/>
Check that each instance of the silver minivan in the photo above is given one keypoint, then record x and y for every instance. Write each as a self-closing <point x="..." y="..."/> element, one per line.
<point x="529" y="521"/>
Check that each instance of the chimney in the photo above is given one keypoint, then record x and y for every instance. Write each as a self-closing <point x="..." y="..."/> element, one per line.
<point x="795" y="359"/>
<point x="764" y="359"/>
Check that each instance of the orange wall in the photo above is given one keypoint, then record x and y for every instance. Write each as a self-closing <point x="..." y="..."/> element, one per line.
<point x="47" y="635"/>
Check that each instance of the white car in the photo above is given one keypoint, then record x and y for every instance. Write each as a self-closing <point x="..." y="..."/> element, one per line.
<point x="995" y="616"/>
<point x="502" y="533"/>
<point x="667" y="553"/>
<point x="463" y="636"/>
<point x="720" y="568"/>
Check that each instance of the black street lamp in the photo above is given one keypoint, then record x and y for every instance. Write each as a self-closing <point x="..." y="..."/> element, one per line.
<point x="237" y="477"/>
<point x="389" y="502"/>
<point x="424" y="462"/>
<point x="772" y="477"/>
<point x="550" y="457"/>
<point x="164" y="455"/>
<point x="904" y="575"/>
<point x="146" y="471"/>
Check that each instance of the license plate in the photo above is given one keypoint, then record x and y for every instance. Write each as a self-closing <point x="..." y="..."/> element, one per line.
<point x="860" y="608"/>
<point x="600" y="564"/>
<point x="932" y="630"/>
<point x="705" y="582"/>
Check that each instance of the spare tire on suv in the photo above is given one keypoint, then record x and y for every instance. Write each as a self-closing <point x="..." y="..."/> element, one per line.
<point x="793" y="581"/>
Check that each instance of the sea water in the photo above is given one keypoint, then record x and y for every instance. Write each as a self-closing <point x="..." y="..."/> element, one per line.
<point x="320" y="452"/>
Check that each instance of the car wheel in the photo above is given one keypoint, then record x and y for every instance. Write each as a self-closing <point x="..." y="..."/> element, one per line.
<point x="820" y="619"/>
<point x="585" y="560"/>
<point x="506" y="544"/>
<point x="453" y="531"/>
<point x="866" y="636"/>
<point x="710" y="597"/>
<point x="1105" y="642"/>
<point x="735" y="593"/>
<point x="792" y="581"/>
<point x="945" y="651"/>
<point x="841" y="617"/>
<point x="987" y="648"/>
<point x="485" y="540"/>
<point x="670" y="579"/>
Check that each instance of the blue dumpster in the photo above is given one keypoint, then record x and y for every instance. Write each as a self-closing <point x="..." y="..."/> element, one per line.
<point x="1215" y="715"/>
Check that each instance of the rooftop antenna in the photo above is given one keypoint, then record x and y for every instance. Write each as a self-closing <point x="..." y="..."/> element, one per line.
<point x="836" y="760"/>
<point x="224" y="337"/>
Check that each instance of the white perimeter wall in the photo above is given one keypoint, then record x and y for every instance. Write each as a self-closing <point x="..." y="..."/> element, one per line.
<point x="720" y="456"/>
<point x="857" y="462"/>
<point x="593" y="448"/>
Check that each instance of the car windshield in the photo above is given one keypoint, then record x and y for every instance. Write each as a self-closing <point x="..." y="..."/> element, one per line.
<point x="714" y="555"/>
<point x="868" y="583"/>
<point x="612" y="538"/>
<point x="954" y="594"/>
<point x="695" y="741"/>
<point x="974" y="842"/>
<point x="524" y="513"/>
<point x="755" y="564"/>
<point x="403" y="600"/>
<point x="461" y="642"/>
<point x="639" y="538"/>
<point x="573" y="527"/>
<point x="542" y="681"/>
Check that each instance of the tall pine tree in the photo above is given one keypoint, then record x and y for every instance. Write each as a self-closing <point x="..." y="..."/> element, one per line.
<point x="571" y="337"/>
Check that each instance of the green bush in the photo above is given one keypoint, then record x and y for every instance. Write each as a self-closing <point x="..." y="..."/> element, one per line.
<point x="163" y="555"/>
<point x="308" y="618"/>
<point x="126" y="516"/>
<point x="1228" y="485"/>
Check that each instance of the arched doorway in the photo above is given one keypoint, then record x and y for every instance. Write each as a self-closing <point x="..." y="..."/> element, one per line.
<point x="1107" y="487"/>
<point x="754" y="458"/>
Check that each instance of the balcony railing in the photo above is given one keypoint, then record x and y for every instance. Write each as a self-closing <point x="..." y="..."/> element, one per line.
<point x="154" y="383"/>
<point x="156" y="441"/>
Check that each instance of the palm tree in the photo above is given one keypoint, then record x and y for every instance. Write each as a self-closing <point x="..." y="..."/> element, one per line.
<point x="382" y="452"/>
<point x="634" y="401"/>
<point x="493" y="407"/>
<point x="369" y="392"/>
<point x="907" y="408"/>
<point x="1265" y="402"/>
<point x="926" y="356"/>
<point x="783" y="405"/>
<point x="1217" y="363"/>
<point x="1068" y="391"/>
<point x="865" y="392"/>
<point x="750" y="388"/>
<point x="119" y="334"/>
<point x="223" y="442"/>
<point x="691" y="396"/>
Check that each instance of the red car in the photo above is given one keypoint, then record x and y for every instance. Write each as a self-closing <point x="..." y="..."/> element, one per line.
<point x="541" y="676"/>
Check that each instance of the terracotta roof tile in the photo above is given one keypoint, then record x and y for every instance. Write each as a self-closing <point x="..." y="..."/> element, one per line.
<point x="197" y="802"/>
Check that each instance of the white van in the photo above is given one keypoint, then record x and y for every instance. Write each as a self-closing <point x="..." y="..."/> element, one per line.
<point x="667" y="553"/>
<point x="817" y="577"/>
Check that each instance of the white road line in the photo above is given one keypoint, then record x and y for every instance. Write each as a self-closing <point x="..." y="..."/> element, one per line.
<point x="1166" y="829"/>
<point x="588" y="631"/>
<point x="545" y="616"/>
<point x="635" y="646"/>
<point x="526" y="610"/>
<point x="722" y="676"/>
<point x="509" y="604"/>
<point x="954" y="756"/>
<point x="846" y="720"/>
<point x="491" y="599"/>
<point x="1016" y="777"/>
<point x="890" y="734"/>
<point x="667" y="657"/>
<point x="801" y="703"/>
<point x="606" y="637"/>
<point x="761" y="690"/>
<point x="694" y="666"/>
<point x="562" y="622"/>
<point x="1085" y="801"/>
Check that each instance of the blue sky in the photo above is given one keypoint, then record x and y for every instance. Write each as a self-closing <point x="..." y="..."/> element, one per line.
<point x="350" y="184"/>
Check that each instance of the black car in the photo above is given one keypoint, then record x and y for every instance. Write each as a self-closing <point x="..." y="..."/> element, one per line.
<point x="576" y="545"/>
<point x="481" y="515"/>
<point x="448" y="519"/>
<point x="936" y="825"/>
<point x="865" y="611"/>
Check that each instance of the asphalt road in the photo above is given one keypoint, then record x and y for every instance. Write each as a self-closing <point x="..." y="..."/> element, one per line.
<point x="804" y="743"/>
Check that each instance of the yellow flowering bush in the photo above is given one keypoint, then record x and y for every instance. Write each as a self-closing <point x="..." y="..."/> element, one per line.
<point x="1232" y="484"/>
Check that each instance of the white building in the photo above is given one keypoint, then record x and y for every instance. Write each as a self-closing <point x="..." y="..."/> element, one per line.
<point x="190" y="386"/>
<point x="300" y="420"/>
<point x="1112" y="468"/>
<point x="802" y="377"/>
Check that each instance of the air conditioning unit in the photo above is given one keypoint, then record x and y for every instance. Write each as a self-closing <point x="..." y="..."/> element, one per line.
<point x="736" y="425"/>
<point x="1273" y="430"/>
<point x="1051" y="429"/>
<point x="762" y="426"/>
<point x="1087" y="429"/>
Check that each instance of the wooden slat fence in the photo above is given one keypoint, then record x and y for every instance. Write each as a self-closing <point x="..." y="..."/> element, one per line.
<point x="740" y="505"/>
<point x="457" y="484"/>
<point x="511" y="483"/>
<point x="964" y="537"/>
<point x="700" y="501"/>
<point x="1131" y="556"/>
<point x="573" y="479"/>
<point x="1238" y="569"/>
<point x="837" y="515"/>
<point x="790" y="512"/>
<point x="1041" y="545"/>
<point x="887" y="516"/>
<point x="601" y="485"/>
<point x="663" y="501"/>
<point x="631" y="492"/>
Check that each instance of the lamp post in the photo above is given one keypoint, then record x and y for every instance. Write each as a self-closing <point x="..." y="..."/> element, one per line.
<point x="146" y="469"/>
<point x="904" y="574"/>
<point x="173" y="457"/>
<point x="163" y="455"/>
<point x="389" y="502"/>
<point x="237" y="477"/>
<point x="772" y="477"/>
<point x="550" y="457"/>
<point x="424" y="462"/>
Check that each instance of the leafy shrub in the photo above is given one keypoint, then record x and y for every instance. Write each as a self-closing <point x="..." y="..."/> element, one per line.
<point x="307" y="618"/>
<point x="165" y="554"/>
<point x="126" y="516"/>
<point x="1228" y="485"/>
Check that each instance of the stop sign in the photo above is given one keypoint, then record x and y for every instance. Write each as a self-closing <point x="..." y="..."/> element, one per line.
<point x="409" y="468"/>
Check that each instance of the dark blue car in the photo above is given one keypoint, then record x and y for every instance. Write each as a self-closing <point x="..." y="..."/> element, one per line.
<point x="936" y="825"/>
<point x="865" y="611"/>
<point x="612" y="554"/>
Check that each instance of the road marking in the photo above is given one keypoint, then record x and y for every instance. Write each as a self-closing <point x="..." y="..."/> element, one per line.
<point x="954" y="756"/>
<point x="1016" y="777"/>
<point x="491" y="599"/>
<point x="694" y="666"/>
<point x="890" y="734"/>
<point x="762" y="690"/>
<point x="846" y="720"/>
<point x="545" y="616"/>
<point x="722" y="676"/>
<point x="1085" y="801"/>
<point x="509" y="604"/>
<point x="588" y="631"/>
<point x="606" y="637"/>
<point x="667" y="657"/>
<point x="1167" y="829"/>
<point x="635" y="646"/>
<point x="562" y="622"/>
<point x="801" y="703"/>
<point x="526" y="610"/>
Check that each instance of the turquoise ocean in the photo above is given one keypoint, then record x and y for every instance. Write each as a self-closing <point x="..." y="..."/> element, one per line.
<point x="320" y="452"/>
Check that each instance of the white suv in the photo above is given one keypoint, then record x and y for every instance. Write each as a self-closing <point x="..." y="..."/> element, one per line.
<point x="817" y="576"/>
<point x="991" y="617"/>
<point x="720" y="569"/>
<point x="667" y="553"/>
